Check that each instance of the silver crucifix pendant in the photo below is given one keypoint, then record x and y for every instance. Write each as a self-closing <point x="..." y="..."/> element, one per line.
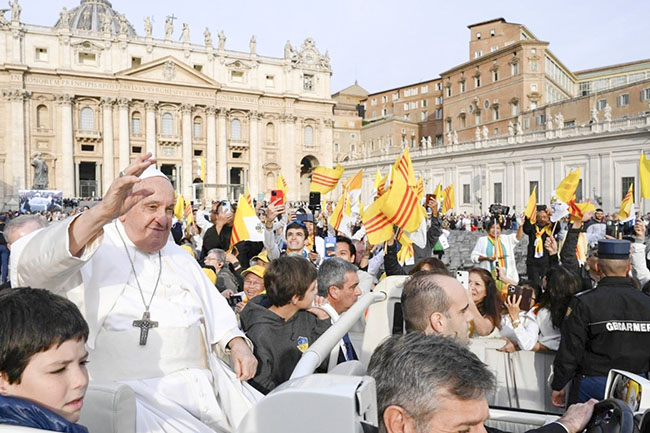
<point x="145" y="324"/>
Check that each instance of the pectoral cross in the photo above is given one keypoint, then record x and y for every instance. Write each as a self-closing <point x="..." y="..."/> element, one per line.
<point x="145" y="324"/>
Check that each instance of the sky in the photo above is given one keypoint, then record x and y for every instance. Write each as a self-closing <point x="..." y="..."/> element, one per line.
<point x="390" y="43"/>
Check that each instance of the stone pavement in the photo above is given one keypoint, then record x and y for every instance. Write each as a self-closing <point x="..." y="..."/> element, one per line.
<point x="461" y="244"/>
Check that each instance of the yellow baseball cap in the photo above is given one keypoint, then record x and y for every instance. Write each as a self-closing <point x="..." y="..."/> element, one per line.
<point x="257" y="270"/>
<point x="263" y="256"/>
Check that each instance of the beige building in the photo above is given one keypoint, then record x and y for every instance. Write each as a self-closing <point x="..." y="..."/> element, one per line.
<point x="347" y="121"/>
<point x="89" y="95"/>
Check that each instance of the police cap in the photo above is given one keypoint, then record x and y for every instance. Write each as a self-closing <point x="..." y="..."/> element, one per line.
<point x="613" y="249"/>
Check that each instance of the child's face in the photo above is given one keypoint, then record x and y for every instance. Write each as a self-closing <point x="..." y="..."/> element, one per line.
<point x="56" y="379"/>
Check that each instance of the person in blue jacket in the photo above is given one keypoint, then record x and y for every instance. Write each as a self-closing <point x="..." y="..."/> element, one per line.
<point x="43" y="377"/>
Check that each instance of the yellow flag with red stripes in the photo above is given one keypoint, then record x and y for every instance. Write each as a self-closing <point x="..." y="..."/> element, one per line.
<point x="281" y="184"/>
<point x="420" y="189"/>
<point x="626" y="212"/>
<point x="406" y="251"/>
<point x="449" y="200"/>
<point x="325" y="179"/>
<point x="249" y="199"/>
<point x="402" y="207"/>
<point x="378" y="228"/>
<point x="337" y="214"/>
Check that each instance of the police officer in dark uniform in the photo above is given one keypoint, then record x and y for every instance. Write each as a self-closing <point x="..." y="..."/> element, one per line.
<point x="606" y="327"/>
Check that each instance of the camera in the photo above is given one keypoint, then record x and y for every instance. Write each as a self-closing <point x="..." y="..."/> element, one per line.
<point x="314" y="201"/>
<point x="498" y="209"/>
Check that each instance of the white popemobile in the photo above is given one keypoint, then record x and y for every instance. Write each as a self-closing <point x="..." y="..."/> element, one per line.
<point x="520" y="403"/>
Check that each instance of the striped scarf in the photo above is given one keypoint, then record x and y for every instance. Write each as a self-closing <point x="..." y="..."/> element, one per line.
<point x="539" y="243"/>
<point x="495" y="249"/>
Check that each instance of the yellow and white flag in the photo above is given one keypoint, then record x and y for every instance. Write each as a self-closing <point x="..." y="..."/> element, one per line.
<point x="246" y="225"/>
<point x="531" y="207"/>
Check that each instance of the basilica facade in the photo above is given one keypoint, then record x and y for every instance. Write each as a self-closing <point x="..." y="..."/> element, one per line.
<point x="89" y="94"/>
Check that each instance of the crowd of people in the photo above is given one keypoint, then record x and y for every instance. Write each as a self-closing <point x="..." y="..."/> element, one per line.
<point x="126" y="277"/>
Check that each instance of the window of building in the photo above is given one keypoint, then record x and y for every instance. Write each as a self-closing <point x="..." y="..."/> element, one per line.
<point x="270" y="132"/>
<point x="424" y="103"/>
<point x="495" y="113"/>
<point x="198" y="152"/>
<point x="136" y="149"/>
<point x="270" y="81"/>
<point x="601" y="104"/>
<point x="625" y="185"/>
<point x="384" y="112"/>
<point x="87" y="58"/>
<point x="407" y="116"/>
<point x="235" y="129"/>
<point x="492" y="32"/>
<point x="414" y="105"/>
<point x="424" y="89"/>
<point x="373" y="102"/>
<point x="438" y="100"/>
<point x="494" y="48"/>
<point x="515" y="108"/>
<point x="527" y="123"/>
<point x="353" y="148"/>
<point x="514" y="69"/>
<point x="406" y="106"/>
<point x="498" y="192"/>
<point x="478" y="35"/>
<point x="87" y="119"/>
<point x="645" y="94"/>
<point x="478" y="53"/>
<point x="395" y="96"/>
<point x="470" y="108"/>
<point x="463" y="122"/>
<point x="42" y="120"/>
<point x="579" y="195"/>
<point x="308" y="82"/>
<point x="533" y="51"/>
<point x="466" y="193"/>
<point x="623" y="99"/>
<point x="533" y="105"/>
<point x="448" y="128"/>
<point x="87" y="148"/>
<point x="540" y="120"/>
<point x="136" y="61"/>
<point x="40" y="54"/>
<point x="438" y="86"/>
<point x="448" y="91"/>
<point x="413" y="142"/>
<point x="198" y="68"/>
<point x="424" y="116"/>
<point x="167" y="124"/>
<point x="461" y="87"/>
<point x="495" y="75"/>
<point x="198" y="127"/>
<point x="309" y="136"/>
<point x="533" y="87"/>
<point x="477" y="81"/>
<point x="414" y="91"/>
<point x="336" y="147"/>
<point x="438" y="114"/>
<point x="532" y="185"/>
<point x="237" y="76"/>
<point x="533" y="65"/>
<point x="477" y="117"/>
<point x="439" y="140"/>
<point x="136" y="123"/>
<point x="384" y="99"/>
<point x="570" y="123"/>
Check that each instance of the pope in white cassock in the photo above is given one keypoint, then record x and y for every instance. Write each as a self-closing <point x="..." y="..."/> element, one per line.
<point x="156" y="322"/>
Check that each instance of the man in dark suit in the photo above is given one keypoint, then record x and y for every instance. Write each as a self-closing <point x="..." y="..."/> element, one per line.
<point x="431" y="383"/>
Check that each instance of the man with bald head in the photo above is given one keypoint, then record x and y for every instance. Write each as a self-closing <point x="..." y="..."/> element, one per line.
<point x="149" y="307"/>
<point x="436" y="304"/>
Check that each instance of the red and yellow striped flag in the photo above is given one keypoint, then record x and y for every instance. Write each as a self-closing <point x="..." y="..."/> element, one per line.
<point x="406" y="251"/>
<point x="378" y="228"/>
<point x="324" y="179"/>
<point x="337" y="214"/>
<point x="420" y="189"/>
<point x="627" y="205"/>
<point x="354" y="182"/>
<point x="189" y="216"/>
<point x="449" y="198"/>
<point x="249" y="199"/>
<point x="281" y="184"/>
<point x="402" y="206"/>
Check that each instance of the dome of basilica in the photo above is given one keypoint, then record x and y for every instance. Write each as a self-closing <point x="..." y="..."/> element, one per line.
<point x="95" y="16"/>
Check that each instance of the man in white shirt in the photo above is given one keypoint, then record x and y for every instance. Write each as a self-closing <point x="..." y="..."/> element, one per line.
<point x="156" y="322"/>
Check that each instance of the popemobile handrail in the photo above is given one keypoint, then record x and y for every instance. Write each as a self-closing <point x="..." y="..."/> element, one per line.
<point x="321" y="349"/>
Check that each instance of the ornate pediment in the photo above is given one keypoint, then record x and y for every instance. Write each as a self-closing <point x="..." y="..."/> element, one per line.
<point x="308" y="57"/>
<point x="238" y="65"/>
<point x="168" y="70"/>
<point x="87" y="46"/>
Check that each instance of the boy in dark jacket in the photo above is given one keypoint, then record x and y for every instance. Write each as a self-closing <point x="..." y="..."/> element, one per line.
<point x="282" y="324"/>
<point x="43" y="377"/>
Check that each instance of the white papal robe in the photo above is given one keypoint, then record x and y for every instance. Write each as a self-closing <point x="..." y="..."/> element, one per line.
<point x="180" y="385"/>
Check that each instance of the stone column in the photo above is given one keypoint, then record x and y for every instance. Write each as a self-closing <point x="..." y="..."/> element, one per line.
<point x="67" y="147"/>
<point x="289" y="164"/>
<point x="254" y="170"/>
<point x="124" y="144"/>
<point x="150" y="132"/>
<point x="18" y="152"/>
<point x="187" y="175"/>
<point x="98" y="177"/>
<point x="327" y="144"/>
<point x="222" y="155"/>
<point x="211" y="156"/>
<point x="108" y="172"/>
